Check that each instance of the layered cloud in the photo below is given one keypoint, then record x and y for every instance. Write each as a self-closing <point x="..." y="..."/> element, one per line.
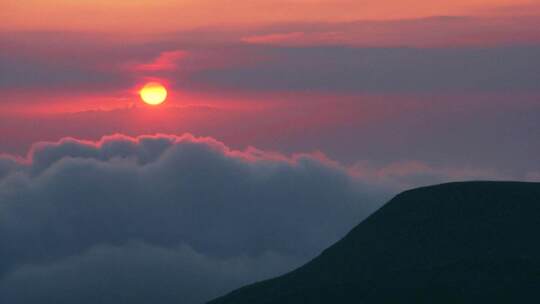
<point x="169" y="15"/>
<point x="420" y="96"/>
<point x="411" y="174"/>
<point x="176" y="218"/>
<point x="163" y="218"/>
<point x="383" y="71"/>
<point x="486" y="132"/>
<point x="435" y="31"/>
<point x="317" y="65"/>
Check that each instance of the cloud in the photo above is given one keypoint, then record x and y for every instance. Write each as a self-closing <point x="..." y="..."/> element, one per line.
<point x="136" y="273"/>
<point x="167" y="218"/>
<point x="410" y="174"/>
<point x="22" y="72"/>
<point x="395" y="70"/>
<point x="534" y="176"/>
<point x="7" y="165"/>
<point x="164" y="218"/>
<point x="144" y="18"/>
<point x="166" y="61"/>
<point x="290" y="38"/>
<point x="435" y="54"/>
<point x="437" y="31"/>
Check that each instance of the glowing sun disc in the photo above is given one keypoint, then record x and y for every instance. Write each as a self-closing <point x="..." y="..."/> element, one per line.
<point x="153" y="93"/>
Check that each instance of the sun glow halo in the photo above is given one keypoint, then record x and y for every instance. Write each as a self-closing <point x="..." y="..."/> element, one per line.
<point x="153" y="93"/>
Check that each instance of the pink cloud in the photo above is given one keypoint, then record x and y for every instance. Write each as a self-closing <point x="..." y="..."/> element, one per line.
<point x="425" y="32"/>
<point x="414" y="173"/>
<point x="534" y="176"/>
<point x="149" y="148"/>
<point x="166" y="61"/>
<point x="52" y="151"/>
<point x="298" y="38"/>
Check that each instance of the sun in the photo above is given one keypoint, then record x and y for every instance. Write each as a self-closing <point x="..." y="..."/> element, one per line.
<point x="153" y="93"/>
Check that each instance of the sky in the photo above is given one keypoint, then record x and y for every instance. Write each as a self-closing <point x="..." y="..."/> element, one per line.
<point x="287" y="122"/>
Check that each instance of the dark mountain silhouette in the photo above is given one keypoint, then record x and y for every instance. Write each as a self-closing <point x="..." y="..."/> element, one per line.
<point x="473" y="242"/>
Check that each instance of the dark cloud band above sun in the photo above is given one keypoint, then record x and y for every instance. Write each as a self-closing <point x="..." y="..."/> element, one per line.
<point x="383" y="71"/>
<point x="436" y="54"/>
<point x="316" y="69"/>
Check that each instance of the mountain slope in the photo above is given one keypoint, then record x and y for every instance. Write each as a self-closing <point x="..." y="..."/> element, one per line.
<point x="474" y="242"/>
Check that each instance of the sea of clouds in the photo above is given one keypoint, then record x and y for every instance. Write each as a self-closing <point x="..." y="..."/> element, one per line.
<point x="165" y="218"/>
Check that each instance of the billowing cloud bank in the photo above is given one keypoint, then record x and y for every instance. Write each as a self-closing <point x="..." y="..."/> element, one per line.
<point x="164" y="218"/>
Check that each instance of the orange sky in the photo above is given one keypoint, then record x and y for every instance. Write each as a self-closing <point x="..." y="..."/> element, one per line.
<point x="170" y="15"/>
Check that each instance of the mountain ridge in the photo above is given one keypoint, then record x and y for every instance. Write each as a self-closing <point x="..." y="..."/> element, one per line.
<point x="446" y="243"/>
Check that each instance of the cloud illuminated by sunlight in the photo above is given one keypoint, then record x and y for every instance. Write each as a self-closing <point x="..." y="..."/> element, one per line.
<point x="170" y="15"/>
